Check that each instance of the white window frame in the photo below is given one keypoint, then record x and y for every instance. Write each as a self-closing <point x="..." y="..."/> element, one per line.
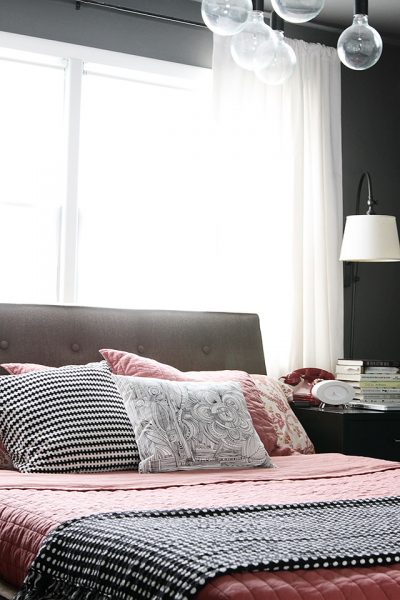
<point x="77" y="58"/>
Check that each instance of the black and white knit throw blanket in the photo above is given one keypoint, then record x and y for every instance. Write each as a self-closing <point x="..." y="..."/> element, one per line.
<point x="172" y="554"/>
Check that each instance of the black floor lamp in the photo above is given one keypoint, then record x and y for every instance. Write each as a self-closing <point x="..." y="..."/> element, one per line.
<point x="367" y="238"/>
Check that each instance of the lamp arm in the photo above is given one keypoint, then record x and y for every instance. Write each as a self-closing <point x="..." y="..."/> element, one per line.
<point x="371" y="201"/>
<point x="354" y="265"/>
<point x="354" y="280"/>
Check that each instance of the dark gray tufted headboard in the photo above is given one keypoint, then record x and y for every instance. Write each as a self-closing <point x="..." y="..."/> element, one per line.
<point x="60" y="335"/>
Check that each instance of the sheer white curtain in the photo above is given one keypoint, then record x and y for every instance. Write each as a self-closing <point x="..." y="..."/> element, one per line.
<point x="277" y="159"/>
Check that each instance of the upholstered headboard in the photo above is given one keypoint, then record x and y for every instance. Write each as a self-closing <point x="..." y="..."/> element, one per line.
<point x="60" y="335"/>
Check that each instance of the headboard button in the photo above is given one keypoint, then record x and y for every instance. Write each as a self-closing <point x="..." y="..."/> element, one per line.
<point x="206" y="349"/>
<point x="75" y="347"/>
<point x="140" y="349"/>
<point x="4" y="344"/>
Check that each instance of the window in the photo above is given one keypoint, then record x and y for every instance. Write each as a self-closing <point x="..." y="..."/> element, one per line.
<point x="31" y="194"/>
<point x="103" y="201"/>
<point x="144" y="215"/>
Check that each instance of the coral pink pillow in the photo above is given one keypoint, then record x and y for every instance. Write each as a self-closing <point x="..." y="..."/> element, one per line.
<point x="20" y="368"/>
<point x="291" y="436"/>
<point x="16" y="369"/>
<point x="126" y="363"/>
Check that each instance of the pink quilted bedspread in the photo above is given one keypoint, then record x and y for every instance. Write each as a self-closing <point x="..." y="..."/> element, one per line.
<point x="32" y="505"/>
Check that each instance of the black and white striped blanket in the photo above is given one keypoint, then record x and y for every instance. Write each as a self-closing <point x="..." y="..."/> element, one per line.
<point x="173" y="554"/>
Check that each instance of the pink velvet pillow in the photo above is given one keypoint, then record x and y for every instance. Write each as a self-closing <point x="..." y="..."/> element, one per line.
<point x="20" y="368"/>
<point x="126" y="363"/>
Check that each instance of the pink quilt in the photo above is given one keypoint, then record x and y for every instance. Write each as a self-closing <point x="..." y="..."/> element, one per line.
<point x="32" y="505"/>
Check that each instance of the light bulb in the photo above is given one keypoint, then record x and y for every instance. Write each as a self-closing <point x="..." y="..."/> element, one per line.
<point x="297" y="11"/>
<point x="226" y="17"/>
<point x="254" y="47"/>
<point x="360" y="46"/>
<point x="283" y="64"/>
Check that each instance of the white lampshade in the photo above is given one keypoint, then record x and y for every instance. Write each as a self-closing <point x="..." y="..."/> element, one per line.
<point x="370" y="238"/>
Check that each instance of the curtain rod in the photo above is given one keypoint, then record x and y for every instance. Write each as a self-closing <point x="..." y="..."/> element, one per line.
<point x="140" y="13"/>
<point x="134" y="11"/>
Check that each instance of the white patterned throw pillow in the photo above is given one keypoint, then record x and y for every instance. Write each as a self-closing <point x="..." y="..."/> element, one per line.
<point x="187" y="425"/>
<point x="66" y="420"/>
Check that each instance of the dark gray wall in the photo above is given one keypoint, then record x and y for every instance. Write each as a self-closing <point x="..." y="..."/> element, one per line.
<point x="370" y="112"/>
<point x="371" y="142"/>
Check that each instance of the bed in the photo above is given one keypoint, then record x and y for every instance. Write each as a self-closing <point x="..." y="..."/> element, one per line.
<point x="32" y="505"/>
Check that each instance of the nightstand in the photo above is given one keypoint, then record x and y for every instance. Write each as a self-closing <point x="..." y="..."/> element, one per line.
<point x="352" y="431"/>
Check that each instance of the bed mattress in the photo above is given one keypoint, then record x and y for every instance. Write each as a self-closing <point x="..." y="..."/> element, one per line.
<point x="32" y="505"/>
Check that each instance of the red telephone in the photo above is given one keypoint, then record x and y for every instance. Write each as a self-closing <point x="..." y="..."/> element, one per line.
<point x="303" y="381"/>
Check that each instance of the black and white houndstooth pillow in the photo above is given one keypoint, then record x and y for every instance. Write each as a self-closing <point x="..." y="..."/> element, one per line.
<point x="66" y="420"/>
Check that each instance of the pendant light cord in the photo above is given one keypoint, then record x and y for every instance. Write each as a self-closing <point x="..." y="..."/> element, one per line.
<point x="361" y="7"/>
<point x="258" y="5"/>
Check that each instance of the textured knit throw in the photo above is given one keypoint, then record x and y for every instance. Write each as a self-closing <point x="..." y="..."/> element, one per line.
<point x="173" y="554"/>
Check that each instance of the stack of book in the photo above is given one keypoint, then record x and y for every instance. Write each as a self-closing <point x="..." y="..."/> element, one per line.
<point x="376" y="383"/>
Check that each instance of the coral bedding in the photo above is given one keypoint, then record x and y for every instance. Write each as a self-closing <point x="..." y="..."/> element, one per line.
<point x="31" y="505"/>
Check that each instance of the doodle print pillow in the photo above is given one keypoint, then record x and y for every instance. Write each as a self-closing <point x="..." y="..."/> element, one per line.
<point x="127" y="363"/>
<point x="186" y="425"/>
<point x="65" y="420"/>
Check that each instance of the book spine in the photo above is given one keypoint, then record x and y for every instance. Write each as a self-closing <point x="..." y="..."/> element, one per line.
<point x="348" y="369"/>
<point x="382" y="377"/>
<point x="380" y="370"/>
<point x="389" y="377"/>
<point x="367" y="362"/>
<point x="379" y="400"/>
<point x="386" y="385"/>
<point x="371" y="406"/>
<point x="381" y="395"/>
<point x="381" y="363"/>
<point x="350" y="363"/>
<point x="372" y="390"/>
<point x="347" y="377"/>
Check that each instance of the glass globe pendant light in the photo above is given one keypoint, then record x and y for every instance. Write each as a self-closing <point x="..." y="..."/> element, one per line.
<point x="284" y="61"/>
<point x="254" y="47"/>
<point x="297" y="11"/>
<point x="226" y="17"/>
<point x="360" y="46"/>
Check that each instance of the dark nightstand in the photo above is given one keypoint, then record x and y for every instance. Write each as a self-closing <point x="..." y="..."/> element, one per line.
<point x="351" y="431"/>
